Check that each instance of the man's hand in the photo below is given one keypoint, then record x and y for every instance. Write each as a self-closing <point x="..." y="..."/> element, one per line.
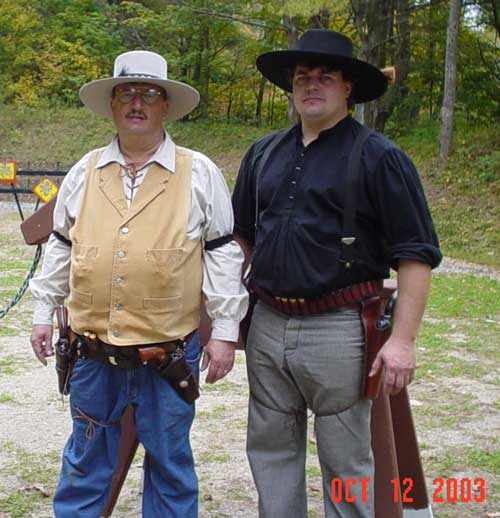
<point x="218" y="356"/>
<point x="41" y="341"/>
<point x="397" y="357"/>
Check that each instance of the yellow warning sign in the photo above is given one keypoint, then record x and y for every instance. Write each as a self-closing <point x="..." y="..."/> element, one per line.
<point x="8" y="169"/>
<point x="45" y="189"/>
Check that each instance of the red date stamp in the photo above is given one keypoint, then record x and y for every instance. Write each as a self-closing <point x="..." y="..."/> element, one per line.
<point x="345" y="491"/>
<point x="444" y="489"/>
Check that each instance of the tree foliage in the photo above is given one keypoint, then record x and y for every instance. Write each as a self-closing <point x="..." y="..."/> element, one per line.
<point x="49" y="48"/>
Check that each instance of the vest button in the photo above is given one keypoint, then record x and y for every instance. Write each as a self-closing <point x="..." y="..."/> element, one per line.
<point x="120" y="280"/>
<point x="118" y="307"/>
<point x="116" y="332"/>
<point x="124" y="230"/>
<point x="121" y="254"/>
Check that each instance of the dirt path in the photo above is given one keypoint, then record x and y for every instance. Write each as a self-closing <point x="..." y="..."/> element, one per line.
<point x="34" y="423"/>
<point x="457" y="266"/>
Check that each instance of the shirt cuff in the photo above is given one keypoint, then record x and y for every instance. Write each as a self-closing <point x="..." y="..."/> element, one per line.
<point x="43" y="314"/>
<point x="227" y="330"/>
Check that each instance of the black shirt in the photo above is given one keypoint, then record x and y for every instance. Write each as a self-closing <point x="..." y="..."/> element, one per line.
<point x="300" y="203"/>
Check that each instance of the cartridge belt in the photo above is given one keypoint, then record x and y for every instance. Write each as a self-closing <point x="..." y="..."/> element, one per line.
<point x="344" y="297"/>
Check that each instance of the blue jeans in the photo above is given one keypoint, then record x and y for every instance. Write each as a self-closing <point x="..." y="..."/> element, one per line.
<point x="99" y="394"/>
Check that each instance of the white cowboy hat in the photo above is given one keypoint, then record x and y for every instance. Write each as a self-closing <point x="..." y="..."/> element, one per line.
<point x="140" y="66"/>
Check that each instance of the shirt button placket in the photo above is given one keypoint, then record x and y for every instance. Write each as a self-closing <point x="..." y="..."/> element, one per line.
<point x="295" y="179"/>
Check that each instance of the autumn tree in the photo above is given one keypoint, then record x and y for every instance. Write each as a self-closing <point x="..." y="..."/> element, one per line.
<point x="446" y="132"/>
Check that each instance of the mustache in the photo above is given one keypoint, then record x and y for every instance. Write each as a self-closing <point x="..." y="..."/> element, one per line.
<point x="136" y="113"/>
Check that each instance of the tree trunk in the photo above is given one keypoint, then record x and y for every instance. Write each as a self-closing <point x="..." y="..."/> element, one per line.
<point x="431" y="55"/>
<point x="373" y="20"/>
<point x="400" y="59"/>
<point x="204" y="71"/>
<point x="260" y="100"/>
<point x="320" y="20"/>
<point x="450" y="75"/>
<point x="291" y="37"/>
<point x="496" y="19"/>
<point x="271" y="110"/>
<point x="229" y="106"/>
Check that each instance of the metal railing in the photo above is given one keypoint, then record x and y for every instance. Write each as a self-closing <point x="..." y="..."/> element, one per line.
<point x="30" y="172"/>
<point x="14" y="190"/>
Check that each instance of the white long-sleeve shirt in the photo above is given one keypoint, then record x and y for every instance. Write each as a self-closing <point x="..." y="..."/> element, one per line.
<point x="210" y="217"/>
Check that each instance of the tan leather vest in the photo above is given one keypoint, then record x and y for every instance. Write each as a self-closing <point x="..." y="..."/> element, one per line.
<point x="135" y="278"/>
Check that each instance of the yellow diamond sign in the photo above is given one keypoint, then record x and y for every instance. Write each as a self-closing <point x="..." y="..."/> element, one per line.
<point x="45" y="189"/>
<point x="8" y="170"/>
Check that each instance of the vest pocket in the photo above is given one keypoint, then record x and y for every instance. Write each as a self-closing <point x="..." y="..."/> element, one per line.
<point x="164" y="258"/>
<point x="80" y="297"/>
<point x="83" y="265"/>
<point x="84" y="252"/>
<point x="165" y="265"/>
<point x="162" y="305"/>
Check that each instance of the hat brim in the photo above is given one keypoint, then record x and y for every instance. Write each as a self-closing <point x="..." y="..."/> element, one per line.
<point x="369" y="82"/>
<point x="182" y="98"/>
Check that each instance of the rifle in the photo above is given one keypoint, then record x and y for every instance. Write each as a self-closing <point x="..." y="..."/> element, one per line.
<point x="37" y="228"/>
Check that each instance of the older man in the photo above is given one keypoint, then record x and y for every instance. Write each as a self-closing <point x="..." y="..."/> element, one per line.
<point x="310" y="271"/>
<point x="142" y="228"/>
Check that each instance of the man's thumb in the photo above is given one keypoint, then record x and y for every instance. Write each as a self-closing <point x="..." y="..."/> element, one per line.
<point x="205" y="361"/>
<point x="377" y="364"/>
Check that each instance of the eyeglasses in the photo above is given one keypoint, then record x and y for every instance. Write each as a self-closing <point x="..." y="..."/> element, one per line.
<point x="147" y="95"/>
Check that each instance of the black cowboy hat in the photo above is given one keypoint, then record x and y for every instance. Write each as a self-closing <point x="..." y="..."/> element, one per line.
<point x="324" y="47"/>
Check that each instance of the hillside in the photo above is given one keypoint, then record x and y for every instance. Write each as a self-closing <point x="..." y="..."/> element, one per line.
<point x="463" y="197"/>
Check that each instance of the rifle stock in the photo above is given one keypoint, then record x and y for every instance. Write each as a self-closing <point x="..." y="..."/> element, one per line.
<point x="37" y="228"/>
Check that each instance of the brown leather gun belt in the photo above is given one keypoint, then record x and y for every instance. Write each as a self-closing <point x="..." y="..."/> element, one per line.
<point x="344" y="297"/>
<point x="90" y="346"/>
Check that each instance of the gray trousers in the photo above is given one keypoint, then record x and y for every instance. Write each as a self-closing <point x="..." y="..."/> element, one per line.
<point x="315" y="362"/>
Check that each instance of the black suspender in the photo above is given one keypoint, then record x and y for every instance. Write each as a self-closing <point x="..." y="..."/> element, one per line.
<point x="351" y="190"/>
<point x="350" y="194"/>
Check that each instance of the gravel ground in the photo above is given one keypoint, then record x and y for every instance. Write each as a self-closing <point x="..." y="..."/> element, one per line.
<point x="34" y="424"/>
<point x="457" y="266"/>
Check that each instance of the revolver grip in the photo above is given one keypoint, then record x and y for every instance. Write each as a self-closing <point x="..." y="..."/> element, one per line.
<point x="148" y="354"/>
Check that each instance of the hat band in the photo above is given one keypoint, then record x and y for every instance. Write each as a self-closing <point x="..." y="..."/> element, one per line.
<point x="141" y="75"/>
